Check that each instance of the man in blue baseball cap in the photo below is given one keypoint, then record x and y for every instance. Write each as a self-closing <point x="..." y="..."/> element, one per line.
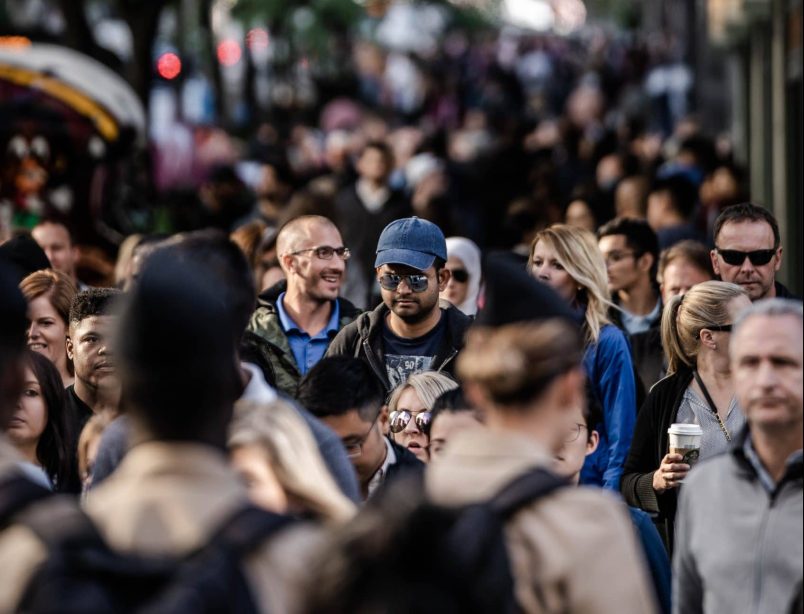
<point x="410" y="331"/>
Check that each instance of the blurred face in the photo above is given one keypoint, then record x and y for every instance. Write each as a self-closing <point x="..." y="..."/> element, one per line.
<point x="47" y="333"/>
<point x="456" y="290"/>
<point x="547" y="269"/>
<point x="624" y="269"/>
<point x="578" y="444"/>
<point x="55" y="242"/>
<point x="253" y="466"/>
<point x="659" y="203"/>
<point x="766" y="363"/>
<point x="580" y="215"/>
<point x="747" y="236"/>
<point x="30" y="418"/>
<point x="736" y="305"/>
<point x="679" y="276"/>
<point x="317" y="278"/>
<point x="363" y="440"/>
<point x="88" y="348"/>
<point x="372" y="165"/>
<point x="412" y="307"/>
<point x="446" y="426"/>
<point x="411" y="437"/>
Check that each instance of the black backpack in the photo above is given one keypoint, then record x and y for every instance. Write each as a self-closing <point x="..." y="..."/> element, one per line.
<point x="83" y="575"/>
<point x="406" y="555"/>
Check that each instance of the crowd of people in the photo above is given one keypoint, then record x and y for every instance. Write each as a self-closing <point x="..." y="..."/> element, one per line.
<point x="155" y="413"/>
<point x="431" y="368"/>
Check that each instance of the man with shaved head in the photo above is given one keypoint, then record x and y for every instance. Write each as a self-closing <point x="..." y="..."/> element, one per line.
<point x="297" y="319"/>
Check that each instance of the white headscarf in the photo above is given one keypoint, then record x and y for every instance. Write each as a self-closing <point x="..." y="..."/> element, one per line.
<point x="467" y="252"/>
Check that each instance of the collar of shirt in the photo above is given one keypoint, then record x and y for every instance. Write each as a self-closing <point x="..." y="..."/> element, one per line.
<point x="637" y="324"/>
<point x="289" y="326"/>
<point x="379" y="476"/>
<point x="372" y="199"/>
<point x="764" y="477"/>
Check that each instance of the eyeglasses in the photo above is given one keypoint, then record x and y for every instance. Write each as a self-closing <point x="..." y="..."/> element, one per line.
<point x="416" y="283"/>
<point x="355" y="448"/>
<point x="400" y="419"/>
<point x="325" y="252"/>
<point x="615" y="257"/>
<point x="735" y="257"/>
<point x="574" y="432"/>
<point x="725" y="328"/>
<point x="459" y="275"/>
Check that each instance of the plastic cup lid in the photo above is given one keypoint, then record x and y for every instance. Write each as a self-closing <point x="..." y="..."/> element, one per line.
<point x="685" y="429"/>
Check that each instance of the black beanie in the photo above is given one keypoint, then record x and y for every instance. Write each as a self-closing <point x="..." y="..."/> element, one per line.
<point x="513" y="295"/>
<point x="24" y="255"/>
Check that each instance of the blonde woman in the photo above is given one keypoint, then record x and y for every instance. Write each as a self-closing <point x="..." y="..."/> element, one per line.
<point x="568" y="260"/>
<point x="696" y="328"/>
<point x="410" y="408"/>
<point x="49" y="294"/>
<point x="272" y="449"/>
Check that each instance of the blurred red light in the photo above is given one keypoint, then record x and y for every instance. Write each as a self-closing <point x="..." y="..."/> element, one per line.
<point x="229" y="52"/>
<point x="257" y="39"/>
<point x="168" y="66"/>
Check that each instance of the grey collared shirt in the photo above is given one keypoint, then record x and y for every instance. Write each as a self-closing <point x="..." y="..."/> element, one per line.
<point x="765" y="478"/>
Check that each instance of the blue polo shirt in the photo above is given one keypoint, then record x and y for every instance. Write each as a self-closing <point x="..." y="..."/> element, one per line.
<point x="307" y="350"/>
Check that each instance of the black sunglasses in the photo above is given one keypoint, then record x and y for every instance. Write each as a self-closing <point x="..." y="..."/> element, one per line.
<point x="416" y="283"/>
<point x="723" y="328"/>
<point x="399" y="419"/>
<point x="459" y="275"/>
<point x="735" y="257"/>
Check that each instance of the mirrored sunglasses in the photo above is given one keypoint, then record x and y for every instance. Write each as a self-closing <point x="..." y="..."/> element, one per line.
<point x="416" y="283"/>
<point x="400" y="419"/>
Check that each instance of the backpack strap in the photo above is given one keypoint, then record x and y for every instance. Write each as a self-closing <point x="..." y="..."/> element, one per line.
<point x="524" y="489"/>
<point x="16" y="493"/>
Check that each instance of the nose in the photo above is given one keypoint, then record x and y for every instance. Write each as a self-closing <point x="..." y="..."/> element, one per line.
<point x="411" y="427"/>
<point x="33" y="331"/>
<point x="747" y="266"/>
<point x="542" y="273"/>
<point x="766" y="375"/>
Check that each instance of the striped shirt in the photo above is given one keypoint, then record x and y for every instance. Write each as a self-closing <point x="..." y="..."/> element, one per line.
<point x="695" y="410"/>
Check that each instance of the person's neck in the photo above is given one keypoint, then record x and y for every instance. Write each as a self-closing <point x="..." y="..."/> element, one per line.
<point x="28" y="452"/>
<point x="640" y="299"/>
<point x="98" y="398"/>
<point x="716" y="375"/>
<point x="412" y="330"/>
<point x="311" y="315"/>
<point x="672" y="219"/>
<point x="373" y="185"/>
<point x="364" y="484"/>
<point x="775" y="446"/>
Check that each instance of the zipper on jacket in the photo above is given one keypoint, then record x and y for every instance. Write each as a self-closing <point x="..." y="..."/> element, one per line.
<point x="447" y="359"/>
<point x="372" y="359"/>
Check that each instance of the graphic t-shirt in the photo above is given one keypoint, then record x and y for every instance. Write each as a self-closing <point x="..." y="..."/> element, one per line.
<point x="404" y="357"/>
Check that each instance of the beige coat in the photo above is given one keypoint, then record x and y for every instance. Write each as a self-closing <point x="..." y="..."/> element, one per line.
<point x="573" y="551"/>
<point x="168" y="498"/>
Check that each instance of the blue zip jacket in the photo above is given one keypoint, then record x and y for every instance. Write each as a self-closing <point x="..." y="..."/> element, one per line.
<point x="610" y="370"/>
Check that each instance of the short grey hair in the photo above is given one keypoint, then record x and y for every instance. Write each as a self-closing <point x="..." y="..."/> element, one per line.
<point x="771" y="307"/>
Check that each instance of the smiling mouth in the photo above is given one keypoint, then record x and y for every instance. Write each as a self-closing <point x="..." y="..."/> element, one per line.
<point x="37" y="346"/>
<point x="333" y="279"/>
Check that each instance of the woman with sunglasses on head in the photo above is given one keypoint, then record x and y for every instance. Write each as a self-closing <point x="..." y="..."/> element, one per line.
<point x="410" y="408"/>
<point x="568" y="260"/>
<point x="49" y="294"/>
<point x="40" y="428"/>
<point x="696" y="328"/>
<point x="463" y="263"/>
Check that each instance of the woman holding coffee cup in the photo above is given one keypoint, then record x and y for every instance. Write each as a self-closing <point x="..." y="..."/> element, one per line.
<point x="691" y="414"/>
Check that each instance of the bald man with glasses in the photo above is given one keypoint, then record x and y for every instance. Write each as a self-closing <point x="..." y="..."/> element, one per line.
<point x="296" y="319"/>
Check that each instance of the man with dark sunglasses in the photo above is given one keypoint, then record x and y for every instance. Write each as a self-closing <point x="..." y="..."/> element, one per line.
<point x="748" y="250"/>
<point x="410" y="331"/>
<point x="296" y="319"/>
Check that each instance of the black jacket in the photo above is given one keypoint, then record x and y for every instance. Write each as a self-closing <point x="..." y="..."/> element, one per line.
<point x="783" y="292"/>
<point x="649" y="446"/>
<point x="363" y="339"/>
<point x="406" y="462"/>
<point x="646" y="349"/>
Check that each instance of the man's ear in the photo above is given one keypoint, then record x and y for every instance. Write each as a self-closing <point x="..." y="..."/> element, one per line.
<point x="645" y="261"/>
<point x="715" y="265"/>
<point x="592" y="442"/>
<point x="443" y="279"/>
<point x="69" y="343"/>
<point x="383" y="419"/>
<point x="778" y="264"/>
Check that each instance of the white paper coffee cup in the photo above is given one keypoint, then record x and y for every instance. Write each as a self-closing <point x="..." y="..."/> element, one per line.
<point x="685" y="439"/>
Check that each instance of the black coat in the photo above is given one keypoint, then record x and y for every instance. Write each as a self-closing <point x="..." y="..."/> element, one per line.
<point x="649" y="446"/>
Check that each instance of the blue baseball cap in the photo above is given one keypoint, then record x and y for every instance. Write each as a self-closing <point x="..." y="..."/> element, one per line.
<point x="411" y="241"/>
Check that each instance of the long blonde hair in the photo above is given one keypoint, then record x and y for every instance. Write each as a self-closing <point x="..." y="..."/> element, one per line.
<point x="684" y="316"/>
<point x="577" y="251"/>
<point x="279" y="430"/>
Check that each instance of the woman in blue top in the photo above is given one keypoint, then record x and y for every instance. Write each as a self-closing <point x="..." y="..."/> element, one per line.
<point x="568" y="260"/>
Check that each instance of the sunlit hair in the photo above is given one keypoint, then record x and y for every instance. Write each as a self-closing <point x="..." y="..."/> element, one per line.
<point x="514" y="364"/>
<point x="91" y="432"/>
<point x="577" y="252"/>
<point x="684" y="316"/>
<point x="248" y="237"/>
<point x="293" y="454"/>
<point x="428" y="386"/>
<point x="58" y="287"/>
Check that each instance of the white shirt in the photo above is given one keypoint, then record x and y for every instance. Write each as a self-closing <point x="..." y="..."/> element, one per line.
<point x="378" y="478"/>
